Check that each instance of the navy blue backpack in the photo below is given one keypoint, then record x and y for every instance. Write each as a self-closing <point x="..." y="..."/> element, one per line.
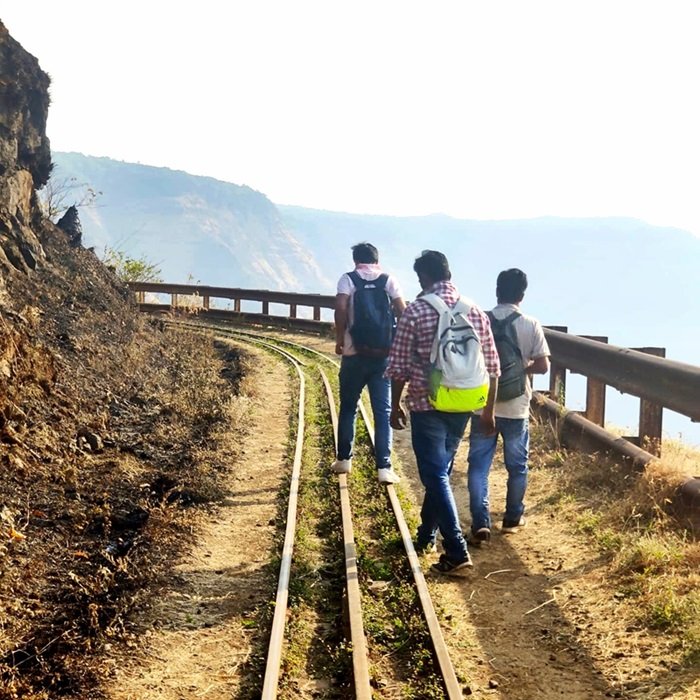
<point x="373" y="323"/>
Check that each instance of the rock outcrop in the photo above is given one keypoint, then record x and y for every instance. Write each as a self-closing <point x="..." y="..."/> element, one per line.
<point x="25" y="156"/>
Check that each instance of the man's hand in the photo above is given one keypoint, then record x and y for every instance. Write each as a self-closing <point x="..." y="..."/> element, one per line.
<point x="339" y="348"/>
<point x="397" y="420"/>
<point x="487" y="422"/>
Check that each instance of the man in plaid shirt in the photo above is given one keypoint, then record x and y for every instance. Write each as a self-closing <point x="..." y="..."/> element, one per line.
<point x="435" y="434"/>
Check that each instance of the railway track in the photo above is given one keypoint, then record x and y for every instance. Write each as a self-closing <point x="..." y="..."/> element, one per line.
<point x="305" y="361"/>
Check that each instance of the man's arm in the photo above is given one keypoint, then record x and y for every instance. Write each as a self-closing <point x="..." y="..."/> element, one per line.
<point x="540" y="365"/>
<point x="488" y="415"/>
<point x="493" y="366"/>
<point x="399" y="367"/>
<point x="397" y="419"/>
<point x="341" y="321"/>
<point x="398" y="305"/>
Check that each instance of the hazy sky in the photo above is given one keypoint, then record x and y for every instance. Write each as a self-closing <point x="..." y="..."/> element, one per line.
<point x="475" y="109"/>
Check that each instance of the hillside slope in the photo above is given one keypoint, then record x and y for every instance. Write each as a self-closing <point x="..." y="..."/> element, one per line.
<point x="622" y="278"/>
<point x="192" y="227"/>
<point x="100" y="433"/>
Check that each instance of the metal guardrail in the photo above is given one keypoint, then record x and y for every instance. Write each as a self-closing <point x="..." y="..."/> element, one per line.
<point x="671" y="384"/>
<point x="265" y="296"/>
<point x="658" y="382"/>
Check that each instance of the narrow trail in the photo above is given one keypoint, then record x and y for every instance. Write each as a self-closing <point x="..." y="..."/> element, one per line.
<point x="535" y="619"/>
<point x="198" y="638"/>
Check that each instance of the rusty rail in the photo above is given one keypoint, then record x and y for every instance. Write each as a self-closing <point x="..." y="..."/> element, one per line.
<point x="452" y="686"/>
<point x="360" y="658"/>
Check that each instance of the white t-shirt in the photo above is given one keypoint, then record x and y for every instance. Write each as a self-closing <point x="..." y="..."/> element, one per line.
<point x="532" y="345"/>
<point x="345" y="286"/>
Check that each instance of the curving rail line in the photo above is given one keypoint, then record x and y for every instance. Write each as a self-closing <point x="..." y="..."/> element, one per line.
<point x="442" y="654"/>
<point x="360" y="667"/>
<point x="359" y="644"/>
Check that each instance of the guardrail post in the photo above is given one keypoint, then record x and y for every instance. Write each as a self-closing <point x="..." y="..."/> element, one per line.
<point x="237" y="305"/>
<point x="651" y="415"/>
<point x="205" y="303"/>
<point x="173" y="300"/>
<point x="595" y="392"/>
<point x="292" y="311"/>
<point x="317" y="313"/>
<point x="266" y="308"/>
<point x="140" y="297"/>
<point x="557" y="375"/>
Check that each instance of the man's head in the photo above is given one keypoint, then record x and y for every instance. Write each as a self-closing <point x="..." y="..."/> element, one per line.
<point x="365" y="253"/>
<point x="431" y="267"/>
<point x="510" y="286"/>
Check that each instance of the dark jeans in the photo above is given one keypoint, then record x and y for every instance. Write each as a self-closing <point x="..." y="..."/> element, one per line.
<point x="436" y="436"/>
<point x="514" y="432"/>
<point x="356" y="372"/>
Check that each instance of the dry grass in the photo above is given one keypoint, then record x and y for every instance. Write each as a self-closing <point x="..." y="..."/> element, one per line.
<point x="654" y="557"/>
<point x="85" y="531"/>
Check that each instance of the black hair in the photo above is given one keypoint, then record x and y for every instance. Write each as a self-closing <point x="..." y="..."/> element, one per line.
<point x="432" y="265"/>
<point x="365" y="253"/>
<point x="511" y="285"/>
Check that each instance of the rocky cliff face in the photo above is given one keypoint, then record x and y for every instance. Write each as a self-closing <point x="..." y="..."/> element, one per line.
<point x="25" y="156"/>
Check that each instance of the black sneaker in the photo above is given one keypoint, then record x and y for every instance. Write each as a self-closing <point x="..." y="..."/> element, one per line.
<point x="427" y="548"/>
<point x="510" y="527"/>
<point x="479" y="537"/>
<point x="452" y="568"/>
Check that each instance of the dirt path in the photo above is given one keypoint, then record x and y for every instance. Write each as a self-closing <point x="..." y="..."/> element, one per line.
<point x="198" y="636"/>
<point x="536" y="617"/>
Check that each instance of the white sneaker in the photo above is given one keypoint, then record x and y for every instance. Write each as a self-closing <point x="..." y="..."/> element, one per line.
<point x="342" y="466"/>
<point x="388" y="476"/>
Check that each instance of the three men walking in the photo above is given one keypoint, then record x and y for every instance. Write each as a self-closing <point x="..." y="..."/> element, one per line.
<point x="432" y="349"/>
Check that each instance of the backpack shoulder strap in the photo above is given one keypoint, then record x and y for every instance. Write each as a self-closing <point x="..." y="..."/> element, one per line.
<point x="502" y="323"/>
<point x="356" y="279"/>
<point x="464" y="305"/>
<point x="381" y="281"/>
<point x="436" y="302"/>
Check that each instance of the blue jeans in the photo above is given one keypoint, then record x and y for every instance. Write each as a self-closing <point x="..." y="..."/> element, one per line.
<point x="516" y="441"/>
<point x="436" y="436"/>
<point x="356" y="372"/>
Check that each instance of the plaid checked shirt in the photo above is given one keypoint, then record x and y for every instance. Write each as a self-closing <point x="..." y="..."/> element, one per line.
<point x="410" y="353"/>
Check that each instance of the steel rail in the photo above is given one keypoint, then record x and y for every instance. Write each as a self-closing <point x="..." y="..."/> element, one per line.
<point x="274" y="652"/>
<point x="360" y="663"/>
<point x="668" y="383"/>
<point x="449" y="676"/>
<point x="452" y="685"/>
<point x="324" y="301"/>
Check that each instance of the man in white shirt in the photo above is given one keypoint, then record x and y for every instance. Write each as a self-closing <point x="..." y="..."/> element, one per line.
<point x="362" y="365"/>
<point x="512" y="414"/>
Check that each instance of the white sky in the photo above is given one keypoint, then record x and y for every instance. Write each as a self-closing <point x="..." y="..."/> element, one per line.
<point x="476" y="109"/>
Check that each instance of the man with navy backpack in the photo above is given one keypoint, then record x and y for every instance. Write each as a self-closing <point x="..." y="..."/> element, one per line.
<point x="523" y="351"/>
<point x="367" y="304"/>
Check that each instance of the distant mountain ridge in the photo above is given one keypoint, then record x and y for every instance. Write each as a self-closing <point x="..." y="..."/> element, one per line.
<point x="193" y="227"/>
<point x="619" y="277"/>
<point x="636" y="283"/>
